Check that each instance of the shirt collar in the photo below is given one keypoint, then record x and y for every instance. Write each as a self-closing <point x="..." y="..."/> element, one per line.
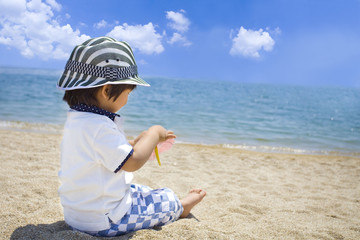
<point x="93" y="109"/>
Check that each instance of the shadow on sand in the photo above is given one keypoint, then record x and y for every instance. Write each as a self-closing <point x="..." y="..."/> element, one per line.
<point x="60" y="231"/>
<point x="54" y="231"/>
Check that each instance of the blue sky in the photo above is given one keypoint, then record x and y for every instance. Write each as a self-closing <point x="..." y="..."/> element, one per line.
<point x="306" y="42"/>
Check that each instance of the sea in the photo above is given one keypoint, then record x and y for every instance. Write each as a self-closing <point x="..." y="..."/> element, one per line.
<point x="250" y="116"/>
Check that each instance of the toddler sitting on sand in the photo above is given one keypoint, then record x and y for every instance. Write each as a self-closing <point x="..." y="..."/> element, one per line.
<point x="96" y="159"/>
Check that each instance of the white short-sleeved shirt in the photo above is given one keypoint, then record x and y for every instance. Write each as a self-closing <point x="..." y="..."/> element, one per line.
<point x="93" y="186"/>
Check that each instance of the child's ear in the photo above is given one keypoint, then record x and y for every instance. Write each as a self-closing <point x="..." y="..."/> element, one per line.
<point x="105" y="90"/>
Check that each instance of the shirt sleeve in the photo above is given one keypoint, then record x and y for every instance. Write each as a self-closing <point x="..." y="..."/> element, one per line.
<point x="111" y="147"/>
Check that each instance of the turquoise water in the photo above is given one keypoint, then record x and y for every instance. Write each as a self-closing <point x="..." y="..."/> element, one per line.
<point x="240" y="115"/>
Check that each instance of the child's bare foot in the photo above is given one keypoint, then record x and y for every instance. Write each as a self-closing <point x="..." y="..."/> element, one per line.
<point x="194" y="197"/>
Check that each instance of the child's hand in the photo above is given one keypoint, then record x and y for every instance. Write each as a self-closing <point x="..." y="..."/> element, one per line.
<point x="163" y="133"/>
<point x="145" y="144"/>
<point x="169" y="135"/>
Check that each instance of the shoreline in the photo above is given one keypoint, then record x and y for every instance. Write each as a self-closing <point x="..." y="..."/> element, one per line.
<point x="251" y="195"/>
<point x="48" y="128"/>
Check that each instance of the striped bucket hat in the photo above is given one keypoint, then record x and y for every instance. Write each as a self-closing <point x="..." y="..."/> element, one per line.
<point x="100" y="61"/>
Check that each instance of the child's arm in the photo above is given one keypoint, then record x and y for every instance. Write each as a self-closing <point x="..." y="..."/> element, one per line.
<point x="134" y="141"/>
<point x="145" y="145"/>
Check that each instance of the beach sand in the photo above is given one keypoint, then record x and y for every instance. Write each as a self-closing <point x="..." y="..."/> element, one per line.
<point x="250" y="195"/>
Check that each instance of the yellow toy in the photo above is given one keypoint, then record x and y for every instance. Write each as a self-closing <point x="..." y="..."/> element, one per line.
<point x="161" y="147"/>
<point x="157" y="155"/>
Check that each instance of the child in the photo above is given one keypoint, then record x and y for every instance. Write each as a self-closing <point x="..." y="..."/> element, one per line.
<point x="96" y="159"/>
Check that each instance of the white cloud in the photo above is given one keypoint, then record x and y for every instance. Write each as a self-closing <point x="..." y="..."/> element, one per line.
<point x="56" y="6"/>
<point x="248" y="43"/>
<point x="81" y="24"/>
<point x="36" y="29"/>
<point x="105" y="24"/>
<point x="180" y="24"/>
<point x="141" y="62"/>
<point x="178" y="21"/>
<point x="11" y="8"/>
<point x="141" y="37"/>
<point x="277" y="31"/>
<point x="178" y="38"/>
<point x="30" y="27"/>
<point x="100" y="24"/>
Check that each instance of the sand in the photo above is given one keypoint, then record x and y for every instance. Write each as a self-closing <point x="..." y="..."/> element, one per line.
<point x="251" y="195"/>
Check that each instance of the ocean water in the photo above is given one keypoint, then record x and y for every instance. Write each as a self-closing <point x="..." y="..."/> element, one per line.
<point x="280" y="118"/>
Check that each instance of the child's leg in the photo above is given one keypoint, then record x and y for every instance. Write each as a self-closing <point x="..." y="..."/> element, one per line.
<point x="149" y="208"/>
<point x="194" y="197"/>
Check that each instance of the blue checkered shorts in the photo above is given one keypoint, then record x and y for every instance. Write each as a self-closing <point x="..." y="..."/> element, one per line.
<point x="149" y="208"/>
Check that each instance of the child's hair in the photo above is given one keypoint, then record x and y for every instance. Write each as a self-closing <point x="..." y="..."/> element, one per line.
<point x="88" y="95"/>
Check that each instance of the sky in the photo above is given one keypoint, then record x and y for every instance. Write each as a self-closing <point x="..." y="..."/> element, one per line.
<point x="301" y="42"/>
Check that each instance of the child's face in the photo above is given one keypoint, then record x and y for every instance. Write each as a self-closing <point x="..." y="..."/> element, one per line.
<point x="120" y="101"/>
<point x="109" y="104"/>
